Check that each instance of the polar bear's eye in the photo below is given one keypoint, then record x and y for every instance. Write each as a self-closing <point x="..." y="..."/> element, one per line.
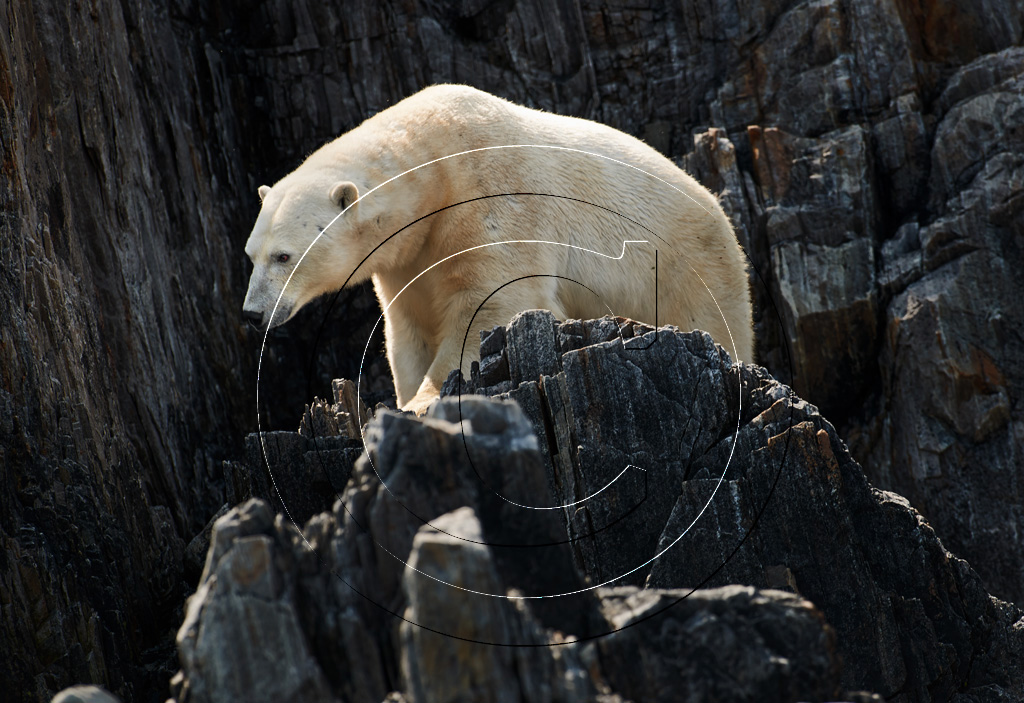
<point x="282" y="258"/>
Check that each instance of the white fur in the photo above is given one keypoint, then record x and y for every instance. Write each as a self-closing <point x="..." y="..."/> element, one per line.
<point x="701" y="269"/>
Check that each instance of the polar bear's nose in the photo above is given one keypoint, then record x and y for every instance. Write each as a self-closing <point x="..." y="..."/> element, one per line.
<point x="254" y="318"/>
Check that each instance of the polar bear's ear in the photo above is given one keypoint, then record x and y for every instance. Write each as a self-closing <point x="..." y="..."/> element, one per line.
<point x="344" y="194"/>
<point x="263" y="190"/>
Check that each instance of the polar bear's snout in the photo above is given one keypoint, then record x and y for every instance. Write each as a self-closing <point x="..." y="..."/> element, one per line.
<point x="260" y="319"/>
<point x="253" y="317"/>
<point x="264" y="300"/>
<point x="254" y="308"/>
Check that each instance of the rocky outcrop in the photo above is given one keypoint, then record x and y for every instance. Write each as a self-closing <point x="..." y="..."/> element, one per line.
<point x="579" y="543"/>
<point x="885" y="240"/>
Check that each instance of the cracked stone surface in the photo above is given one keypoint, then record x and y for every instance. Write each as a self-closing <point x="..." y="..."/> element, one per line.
<point x="642" y="520"/>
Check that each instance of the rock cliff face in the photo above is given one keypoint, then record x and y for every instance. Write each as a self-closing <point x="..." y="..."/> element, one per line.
<point x="869" y="152"/>
<point x="117" y="333"/>
<point x="891" y="278"/>
<point x="579" y="543"/>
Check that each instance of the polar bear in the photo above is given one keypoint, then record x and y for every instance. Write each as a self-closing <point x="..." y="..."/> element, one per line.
<point x="453" y="193"/>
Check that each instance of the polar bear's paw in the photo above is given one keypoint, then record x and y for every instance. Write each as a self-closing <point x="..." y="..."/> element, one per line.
<point x="419" y="403"/>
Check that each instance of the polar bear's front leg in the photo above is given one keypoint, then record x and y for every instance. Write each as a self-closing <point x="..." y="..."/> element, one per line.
<point x="451" y="352"/>
<point x="446" y="359"/>
<point x="408" y="357"/>
<point x="429" y="392"/>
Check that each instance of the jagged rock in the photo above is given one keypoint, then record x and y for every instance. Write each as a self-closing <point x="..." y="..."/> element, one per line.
<point x="302" y="475"/>
<point x="460" y="621"/>
<point x="951" y="353"/>
<point x="346" y="395"/>
<point x="894" y="180"/>
<point x="730" y="478"/>
<point x="327" y="581"/>
<point x="346" y="588"/>
<point x="321" y="420"/>
<point x="820" y="228"/>
<point x="430" y="467"/>
<point x="665" y="641"/>
<point x="345" y="417"/>
<point x="775" y="488"/>
<point x="241" y="638"/>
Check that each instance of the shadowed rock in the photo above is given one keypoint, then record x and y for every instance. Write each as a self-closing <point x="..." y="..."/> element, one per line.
<point x="668" y="467"/>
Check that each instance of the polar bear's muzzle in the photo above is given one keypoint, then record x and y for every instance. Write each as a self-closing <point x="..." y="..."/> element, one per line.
<point x="260" y="320"/>
<point x="260" y="301"/>
<point x="253" y="317"/>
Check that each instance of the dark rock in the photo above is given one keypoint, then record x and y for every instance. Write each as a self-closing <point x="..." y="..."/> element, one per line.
<point x="530" y="346"/>
<point x="356" y="565"/>
<point x="345" y="417"/>
<point x="245" y="610"/>
<point x="755" y="463"/>
<point x="346" y="395"/>
<point x="774" y="645"/>
<point x="302" y="475"/>
<point x="854" y="227"/>
<point x="950" y="360"/>
<point x="853" y="215"/>
<point x="481" y="650"/>
<point x="492" y="342"/>
<point x="321" y="420"/>
<point x="195" y="552"/>
<point x="494" y="365"/>
<point x="730" y="478"/>
<point x="123" y="374"/>
<point x="821" y="229"/>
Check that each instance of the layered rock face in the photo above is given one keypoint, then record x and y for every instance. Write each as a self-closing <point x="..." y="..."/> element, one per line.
<point x="117" y="333"/>
<point x="868" y="151"/>
<point x="646" y="521"/>
<point x="910" y="351"/>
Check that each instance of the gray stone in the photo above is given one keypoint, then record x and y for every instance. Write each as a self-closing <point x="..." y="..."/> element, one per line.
<point x="530" y="346"/>
<point x="950" y="356"/>
<point x="821" y="228"/>
<point x="615" y="407"/>
<point x="666" y="641"/>
<point x="732" y="479"/>
<point x="242" y="638"/>
<point x="450" y="572"/>
<point x="301" y="474"/>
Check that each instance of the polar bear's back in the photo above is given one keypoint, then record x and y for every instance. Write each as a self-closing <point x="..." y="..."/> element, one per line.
<point x="620" y="189"/>
<point x="521" y="147"/>
<point x="480" y="120"/>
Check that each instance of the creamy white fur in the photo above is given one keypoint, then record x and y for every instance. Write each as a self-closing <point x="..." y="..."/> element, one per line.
<point x="702" y="272"/>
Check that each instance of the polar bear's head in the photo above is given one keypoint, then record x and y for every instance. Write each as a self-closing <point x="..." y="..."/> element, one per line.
<point x="293" y="218"/>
